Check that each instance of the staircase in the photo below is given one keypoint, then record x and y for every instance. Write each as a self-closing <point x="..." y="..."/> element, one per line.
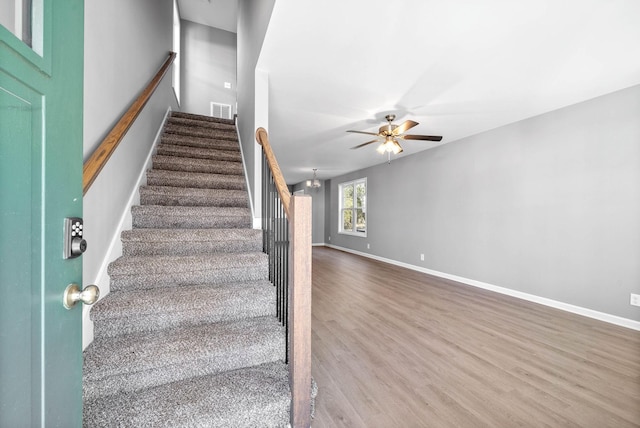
<point x="188" y="335"/>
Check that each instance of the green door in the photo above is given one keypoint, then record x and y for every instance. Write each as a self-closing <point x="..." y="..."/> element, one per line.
<point x="40" y="185"/>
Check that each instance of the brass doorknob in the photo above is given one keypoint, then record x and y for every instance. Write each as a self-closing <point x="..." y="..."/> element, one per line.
<point x="73" y="295"/>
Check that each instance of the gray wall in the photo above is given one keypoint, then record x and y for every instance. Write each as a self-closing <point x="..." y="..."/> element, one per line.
<point x="208" y="61"/>
<point x="253" y="20"/>
<point x="548" y="206"/>
<point x="125" y="44"/>
<point x="317" y="210"/>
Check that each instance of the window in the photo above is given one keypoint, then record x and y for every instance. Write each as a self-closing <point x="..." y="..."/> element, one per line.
<point x="353" y="207"/>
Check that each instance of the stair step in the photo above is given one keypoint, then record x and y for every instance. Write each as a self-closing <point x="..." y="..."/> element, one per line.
<point x="183" y="140"/>
<point x="181" y="242"/>
<point x="200" y="121"/>
<point x="198" y="152"/>
<point x="188" y="196"/>
<point x="162" y="177"/>
<point x="159" y="216"/>
<point x="144" y="272"/>
<point x="137" y="311"/>
<point x="180" y="114"/>
<point x="143" y="360"/>
<point x="252" y="397"/>
<point x="188" y="335"/>
<point x="176" y="163"/>
<point x="191" y="131"/>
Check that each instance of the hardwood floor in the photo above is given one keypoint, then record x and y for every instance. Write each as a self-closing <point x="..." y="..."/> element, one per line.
<point x="397" y="348"/>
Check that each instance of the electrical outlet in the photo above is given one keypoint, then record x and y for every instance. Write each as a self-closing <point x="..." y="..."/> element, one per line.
<point x="368" y="246"/>
<point x="329" y="238"/>
<point x="635" y="299"/>
<point x="422" y="257"/>
<point x="227" y="85"/>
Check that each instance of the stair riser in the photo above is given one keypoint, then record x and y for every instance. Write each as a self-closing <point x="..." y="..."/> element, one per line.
<point x="191" y="201"/>
<point x="208" y="122"/>
<point x="182" y="222"/>
<point x="173" y="163"/>
<point x="200" y="118"/>
<point x="206" y="143"/>
<point x="189" y="247"/>
<point x="214" y="276"/>
<point x="198" y="153"/>
<point x="196" y="181"/>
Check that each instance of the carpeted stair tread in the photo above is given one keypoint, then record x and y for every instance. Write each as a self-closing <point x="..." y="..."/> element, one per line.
<point x="133" y="311"/>
<point x="253" y="397"/>
<point x="182" y="140"/>
<point x="160" y="216"/>
<point x="142" y="272"/>
<point x="159" y="177"/>
<point x="143" y="360"/>
<point x="188" y="335"/>
<point x="176" y="163"/>
<point x="228" y="126"/>
<point x="188" y="196"/>
<point x="181" y="114"/>
<point x="198" y="152"/>
<point x="217" y="133"/>
<point x="190" y="241"/>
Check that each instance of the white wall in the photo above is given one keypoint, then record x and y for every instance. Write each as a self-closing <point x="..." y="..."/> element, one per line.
<point x="125" y="44"/>
<point x="317" y="210"/>
<point x="548" y="206"/>
<point x="208" y="61"/>
<point x="253" y="20"/>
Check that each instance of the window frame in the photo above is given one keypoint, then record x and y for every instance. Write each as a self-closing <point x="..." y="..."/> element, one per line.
<point x="354" y="208"/>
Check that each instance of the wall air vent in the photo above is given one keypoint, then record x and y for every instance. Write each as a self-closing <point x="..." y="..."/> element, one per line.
<point x="223" y="111"/>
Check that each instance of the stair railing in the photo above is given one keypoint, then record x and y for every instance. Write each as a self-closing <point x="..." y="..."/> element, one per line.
<point x="286" y="225"/>
<point x="101" y="155"/>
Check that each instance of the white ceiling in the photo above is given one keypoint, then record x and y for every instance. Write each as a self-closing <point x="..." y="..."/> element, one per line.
<point x="459" y="67"/>
<point x="221" y="14"/>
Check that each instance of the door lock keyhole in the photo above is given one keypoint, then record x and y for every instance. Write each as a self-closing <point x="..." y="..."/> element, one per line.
<point x="74" y="243"/>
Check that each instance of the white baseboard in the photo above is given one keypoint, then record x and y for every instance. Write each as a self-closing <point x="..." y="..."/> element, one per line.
<point x="590" y="313"/>
<point x="257" y="222"/>
<point x="115" y="246"/>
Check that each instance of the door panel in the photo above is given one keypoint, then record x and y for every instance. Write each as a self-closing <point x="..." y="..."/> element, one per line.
<point x="40" y="185"/>
<point x="17" y="258"/>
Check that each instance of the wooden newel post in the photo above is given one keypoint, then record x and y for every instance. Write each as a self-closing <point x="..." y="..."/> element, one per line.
<point x="300" y="311"/>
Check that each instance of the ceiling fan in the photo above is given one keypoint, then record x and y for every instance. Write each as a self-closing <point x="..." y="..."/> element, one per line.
<point x="388" y="136"/>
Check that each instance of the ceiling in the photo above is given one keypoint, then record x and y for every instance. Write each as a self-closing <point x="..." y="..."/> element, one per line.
<point x="458" y="67"/>
<point x="221" y="14"/>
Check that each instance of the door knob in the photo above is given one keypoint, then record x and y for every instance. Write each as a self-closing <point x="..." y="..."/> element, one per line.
<point x="73" y="295"/>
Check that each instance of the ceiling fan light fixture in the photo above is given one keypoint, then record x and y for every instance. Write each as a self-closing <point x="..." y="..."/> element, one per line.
<point x="390" y="145"/>
<point x="314" y="183"/>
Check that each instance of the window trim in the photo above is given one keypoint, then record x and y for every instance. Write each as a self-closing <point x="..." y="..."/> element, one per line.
<point x="341" y="186"/>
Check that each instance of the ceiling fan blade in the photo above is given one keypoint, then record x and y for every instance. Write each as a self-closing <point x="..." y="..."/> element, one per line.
<point x="397" y="148"/>
<point x="404" y="127"/>
<point x="365" y="144"/>
<point x="421" y="137"/>
<point x="363" y="132"/>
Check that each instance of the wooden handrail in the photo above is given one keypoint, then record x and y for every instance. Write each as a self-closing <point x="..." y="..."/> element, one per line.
<point x="101" y="155"/>
<point x="263" y="139"/>
<point x="298" y="211"/>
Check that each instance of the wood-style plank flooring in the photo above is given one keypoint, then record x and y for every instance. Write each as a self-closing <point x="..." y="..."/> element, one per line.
<point x="397" y="348"/>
